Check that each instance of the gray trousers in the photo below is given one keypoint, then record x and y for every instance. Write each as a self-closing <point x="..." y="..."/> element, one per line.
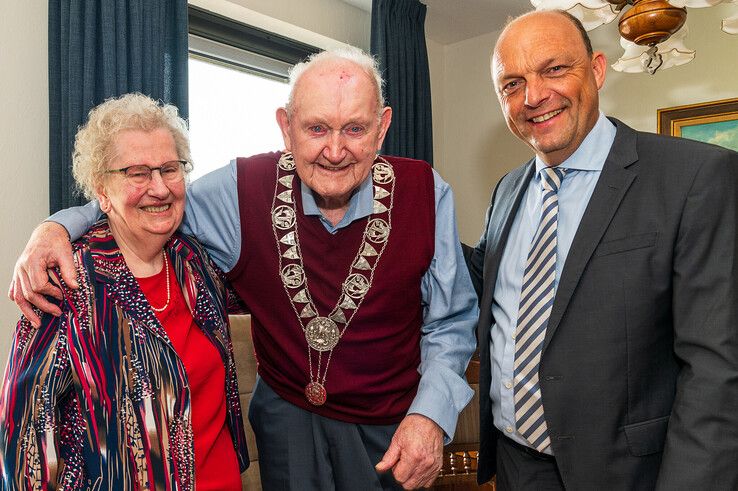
<point x="299" y="450"/>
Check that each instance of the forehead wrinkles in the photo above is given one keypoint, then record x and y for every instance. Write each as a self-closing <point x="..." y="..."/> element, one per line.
<point x="508" y="63"/>
<point x="510" y="51"/>
<point x="340" y="82"/>
<point x="332" y="88"/>
<point x="498" y="66"/>
<point x="521" y="51"/>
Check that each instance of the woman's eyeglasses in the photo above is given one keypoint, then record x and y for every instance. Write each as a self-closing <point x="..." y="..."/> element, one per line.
<point x="140" y="175"/>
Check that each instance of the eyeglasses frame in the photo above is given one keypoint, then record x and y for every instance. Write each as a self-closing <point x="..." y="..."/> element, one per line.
<point x="122" y="171"/>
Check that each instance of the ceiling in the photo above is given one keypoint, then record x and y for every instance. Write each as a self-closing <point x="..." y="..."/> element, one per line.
<point x="451" y="21"/>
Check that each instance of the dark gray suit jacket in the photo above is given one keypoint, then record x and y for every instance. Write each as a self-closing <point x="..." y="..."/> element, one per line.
<point x="639" y="373"/>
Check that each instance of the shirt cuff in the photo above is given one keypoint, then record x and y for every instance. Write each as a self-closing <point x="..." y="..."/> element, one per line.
<point x="77" y="219"/>
<point x="441" y="396"/>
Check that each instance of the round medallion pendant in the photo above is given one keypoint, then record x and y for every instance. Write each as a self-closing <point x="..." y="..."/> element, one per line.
<point x="378" y="230"/>
<point x="322" y="334"/>
<point x="356" y="286"/>
<point x="293" y="275"/>
<point x="383" y="173"/>
<point x="315" y="394"/>
<point x="283" y="217"/>
<point x="286" y="162"/>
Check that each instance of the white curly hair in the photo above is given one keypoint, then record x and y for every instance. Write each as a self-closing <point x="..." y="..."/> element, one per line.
<point x="94" y="143"/>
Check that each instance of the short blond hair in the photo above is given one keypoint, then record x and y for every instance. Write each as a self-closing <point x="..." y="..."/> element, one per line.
<point x="93" y="145"/>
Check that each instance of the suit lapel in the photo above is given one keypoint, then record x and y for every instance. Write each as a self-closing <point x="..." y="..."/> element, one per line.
<point x="504" y="208"/>
<point x="609" y="191"/>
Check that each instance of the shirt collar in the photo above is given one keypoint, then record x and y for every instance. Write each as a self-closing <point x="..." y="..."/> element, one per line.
<point x="361" y="204"/>
<point x="592" y="153"/>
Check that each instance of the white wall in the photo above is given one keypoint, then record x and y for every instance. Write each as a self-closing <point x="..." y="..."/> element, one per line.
<point x="24" y="138"/>
<point x="476" y="148"/>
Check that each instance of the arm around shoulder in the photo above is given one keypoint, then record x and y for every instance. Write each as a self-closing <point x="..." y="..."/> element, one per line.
<point x="212" y="215"/>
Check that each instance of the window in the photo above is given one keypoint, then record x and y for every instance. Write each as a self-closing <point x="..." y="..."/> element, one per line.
<point x="231" y="114"/>
<point x="237" y="80"/>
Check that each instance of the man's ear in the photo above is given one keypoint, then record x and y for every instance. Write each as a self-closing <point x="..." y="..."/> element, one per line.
<point x="283" y="120"/>
<point x="385" y="119"/>
<point x="599" y="67"/>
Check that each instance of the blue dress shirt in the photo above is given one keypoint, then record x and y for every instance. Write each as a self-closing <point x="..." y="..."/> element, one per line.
<point x="450" y="309"/>
<point x="583" y="170"/>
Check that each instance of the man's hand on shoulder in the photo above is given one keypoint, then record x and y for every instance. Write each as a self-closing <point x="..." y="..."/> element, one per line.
<point x="48" y="247"/>
<point x="415" y="454"/>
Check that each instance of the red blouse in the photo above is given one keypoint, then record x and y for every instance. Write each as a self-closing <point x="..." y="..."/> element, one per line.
<point x="216" y="464"/>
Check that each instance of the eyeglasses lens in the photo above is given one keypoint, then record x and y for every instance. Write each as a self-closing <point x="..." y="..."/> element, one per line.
<point x="140" y="175"/>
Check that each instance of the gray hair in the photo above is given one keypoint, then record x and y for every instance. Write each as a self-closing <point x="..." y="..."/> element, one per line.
<point x="94" y="143"/>
<point x="344" y="53"/>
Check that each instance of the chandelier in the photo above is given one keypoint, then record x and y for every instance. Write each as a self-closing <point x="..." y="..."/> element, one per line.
<point x="651" y="31"/>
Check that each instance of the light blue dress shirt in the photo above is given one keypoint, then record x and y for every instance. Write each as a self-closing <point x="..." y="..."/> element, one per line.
<point x="584" y="167"/>
<point x="450" y="308"/>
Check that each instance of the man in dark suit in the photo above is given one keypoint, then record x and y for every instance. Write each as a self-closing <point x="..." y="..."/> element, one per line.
<point x="608" y="283"/>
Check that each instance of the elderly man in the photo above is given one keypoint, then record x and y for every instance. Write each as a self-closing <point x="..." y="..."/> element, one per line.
<point x="609" y="288"/>
<point x="363" y="311"/>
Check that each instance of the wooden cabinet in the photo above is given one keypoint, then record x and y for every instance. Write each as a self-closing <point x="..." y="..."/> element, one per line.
<point x="459" y="472"/>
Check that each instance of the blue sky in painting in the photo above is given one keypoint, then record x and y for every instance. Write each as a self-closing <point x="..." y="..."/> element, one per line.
<point x="724" y="133"/>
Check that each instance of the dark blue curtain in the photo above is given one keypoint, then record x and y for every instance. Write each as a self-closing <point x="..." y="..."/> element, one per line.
<point x="104" y="48"/>
<point x="398" y="41"/>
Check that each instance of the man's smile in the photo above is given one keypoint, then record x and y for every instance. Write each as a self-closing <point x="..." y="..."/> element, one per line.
<point x="546" y="117"/>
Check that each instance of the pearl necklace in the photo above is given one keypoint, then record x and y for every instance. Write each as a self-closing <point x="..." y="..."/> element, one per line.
<point x="166" y="270"/>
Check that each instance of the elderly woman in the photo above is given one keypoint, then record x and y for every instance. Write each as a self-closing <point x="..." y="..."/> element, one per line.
<point x="134" y="385"/>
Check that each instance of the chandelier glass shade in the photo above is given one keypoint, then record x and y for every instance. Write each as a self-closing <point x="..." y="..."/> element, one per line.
<point x="652" y="31"/>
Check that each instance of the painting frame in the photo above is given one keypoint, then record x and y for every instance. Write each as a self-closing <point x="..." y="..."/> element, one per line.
<point x="673" y="120"/>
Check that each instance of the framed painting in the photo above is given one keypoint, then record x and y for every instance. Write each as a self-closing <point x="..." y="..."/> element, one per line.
<point x="711" y="122"/>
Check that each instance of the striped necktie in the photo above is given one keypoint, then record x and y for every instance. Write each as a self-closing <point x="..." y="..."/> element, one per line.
<point x="536" y="300"/>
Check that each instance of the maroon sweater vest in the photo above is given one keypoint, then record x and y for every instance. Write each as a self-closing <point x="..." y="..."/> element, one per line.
<point x="373" y="374"/>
